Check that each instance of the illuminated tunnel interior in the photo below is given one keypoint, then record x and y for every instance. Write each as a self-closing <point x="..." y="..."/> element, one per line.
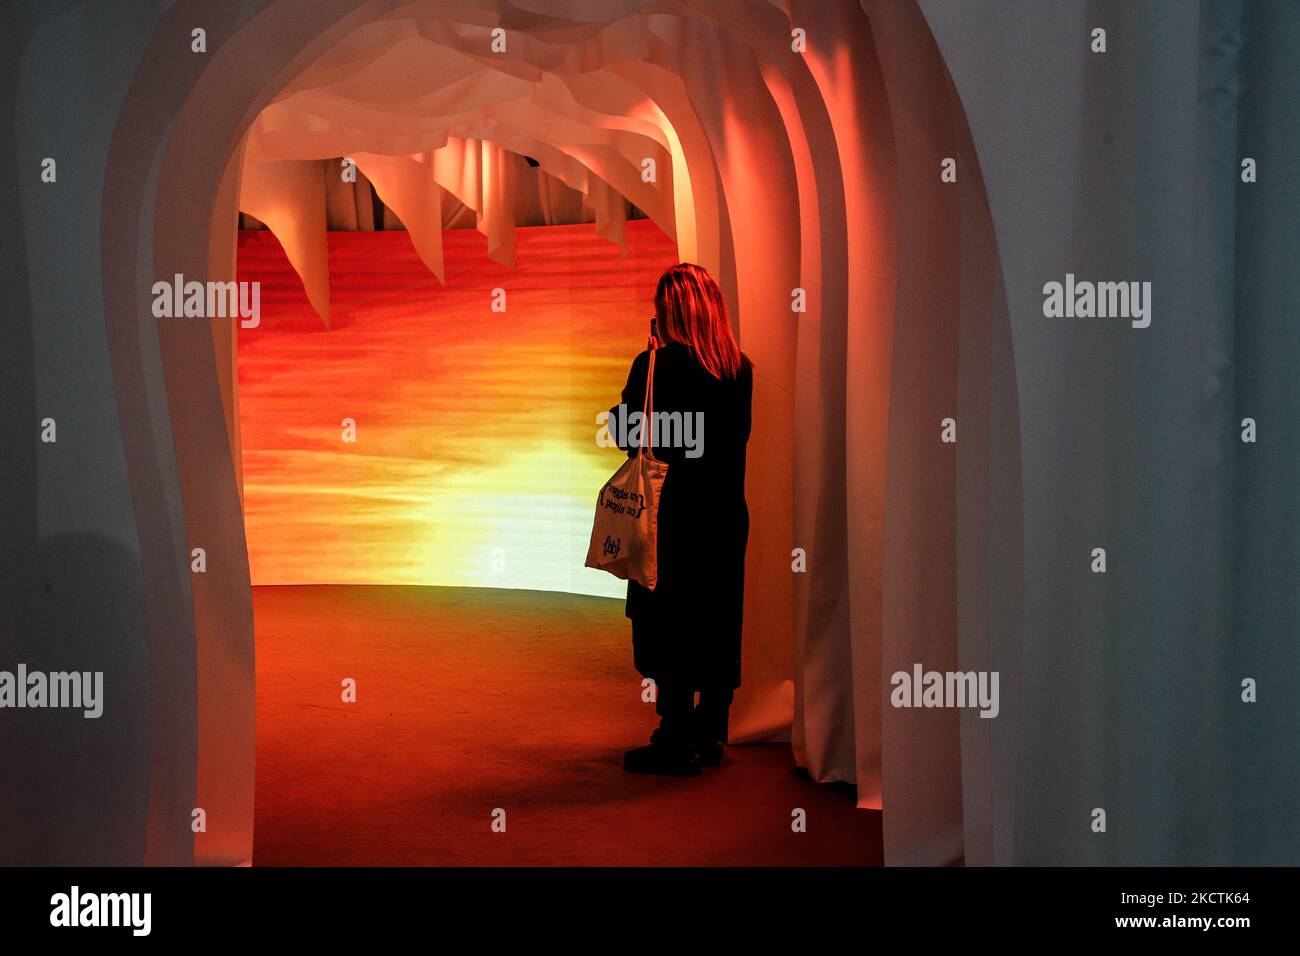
<point x="417" y="405"/>
<point x="327" y="563"/>
<point x="534" y="173"/>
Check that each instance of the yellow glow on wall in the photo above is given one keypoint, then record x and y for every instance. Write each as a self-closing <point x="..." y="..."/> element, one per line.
<point x="475" y="462"/>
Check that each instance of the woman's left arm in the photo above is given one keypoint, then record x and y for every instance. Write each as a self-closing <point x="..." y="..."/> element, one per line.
<point x="633" y="401"/>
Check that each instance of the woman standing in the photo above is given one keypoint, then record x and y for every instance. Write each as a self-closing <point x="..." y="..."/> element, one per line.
<point x="686" y="632"/>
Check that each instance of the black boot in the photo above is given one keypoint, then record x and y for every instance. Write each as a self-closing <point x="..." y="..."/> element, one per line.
<point x="671" y="751"/>
<point x="666" y="759"/>
<point x="709" y="724"/>
<point x="710" y="752"/>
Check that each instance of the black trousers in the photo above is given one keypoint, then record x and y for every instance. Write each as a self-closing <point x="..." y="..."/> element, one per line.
<point x="682" y="721"/>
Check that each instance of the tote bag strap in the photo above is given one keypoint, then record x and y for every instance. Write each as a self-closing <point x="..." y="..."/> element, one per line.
<point x="647" y="411"/>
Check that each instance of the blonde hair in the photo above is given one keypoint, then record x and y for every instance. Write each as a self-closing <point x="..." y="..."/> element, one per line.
<point x="690" y="309"/>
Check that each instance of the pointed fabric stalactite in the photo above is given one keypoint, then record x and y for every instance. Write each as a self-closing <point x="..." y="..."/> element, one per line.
<point x="289" y="196"/>
<point x="406" y="185"/>
<point x="457" y="168"/>
<point x="497" y="215"/>
<point x="611" y="211"/>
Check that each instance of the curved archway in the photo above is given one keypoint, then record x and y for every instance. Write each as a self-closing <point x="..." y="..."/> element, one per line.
<point x="809" y="132"/>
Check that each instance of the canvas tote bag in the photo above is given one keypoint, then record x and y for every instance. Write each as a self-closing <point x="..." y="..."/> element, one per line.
<point x="625" y="532"/>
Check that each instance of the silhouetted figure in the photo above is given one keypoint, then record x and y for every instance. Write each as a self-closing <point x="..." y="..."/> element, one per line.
<point x="686" y="632"/>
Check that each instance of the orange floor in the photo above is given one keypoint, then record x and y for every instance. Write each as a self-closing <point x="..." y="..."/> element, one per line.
<point x="469" y="700"/>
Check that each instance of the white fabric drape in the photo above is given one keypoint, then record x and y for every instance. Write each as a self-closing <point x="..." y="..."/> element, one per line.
<point x="289" y="197"/>
<point x="1127" y="166"/>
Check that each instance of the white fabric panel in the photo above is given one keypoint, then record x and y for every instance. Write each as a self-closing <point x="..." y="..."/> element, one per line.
<point x="289" y="196"/>
<point x="406" y="185"/>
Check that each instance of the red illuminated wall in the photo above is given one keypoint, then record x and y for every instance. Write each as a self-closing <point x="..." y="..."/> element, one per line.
<point x="475" y="461"/>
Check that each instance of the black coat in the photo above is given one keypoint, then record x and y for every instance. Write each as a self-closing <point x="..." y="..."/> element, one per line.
<point x="687" y="630"/>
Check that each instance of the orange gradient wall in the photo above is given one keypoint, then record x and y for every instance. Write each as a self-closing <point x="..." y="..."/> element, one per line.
<point x="475" y="462"/>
